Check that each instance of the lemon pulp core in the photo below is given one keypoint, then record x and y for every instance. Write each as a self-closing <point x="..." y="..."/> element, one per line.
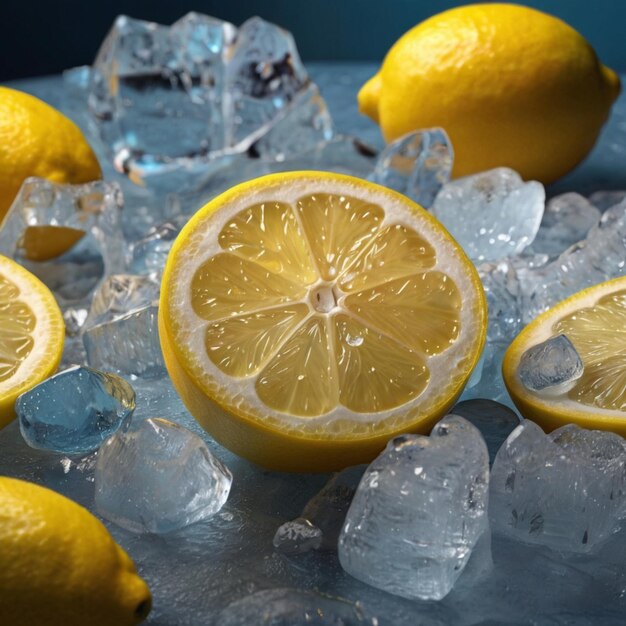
<point x="324" y="304"/>
<point x="17" y="323"/>
<point x="598" y="333"/>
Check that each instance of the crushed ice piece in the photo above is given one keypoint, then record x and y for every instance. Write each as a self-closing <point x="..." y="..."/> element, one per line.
<point x="417" y="165"/>
<point x="494" y="214"/>
<point x="148" y="255"/>
<point x="553" y="364"/>
<point x="419" y="511"/>
<point x="567" y="219"/>
<point x="127" y="344"/>
<point x="74" y="411"/>
<point x="169" y="100"/>
<point x="564" y="490"/>
<point x="494" y="420"/>
<point x="159" y="477"/>
<point x="294" y="607"/>
<point x="67" y="235"/>
<point x="604" y="200"/>
<point x="297" y="537"/>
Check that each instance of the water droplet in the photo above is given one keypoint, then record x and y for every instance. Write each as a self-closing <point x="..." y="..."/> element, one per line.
<point x="354" y="341"/>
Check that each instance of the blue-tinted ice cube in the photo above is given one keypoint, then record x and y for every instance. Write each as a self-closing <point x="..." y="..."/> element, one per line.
<point x="552" y="365"/>
<point x="159" y="477"/>
<point x="420" y="509"/>
<point x="297" y="536"/>
<point x="150" y="253"/>
<point x="75" y="411"/>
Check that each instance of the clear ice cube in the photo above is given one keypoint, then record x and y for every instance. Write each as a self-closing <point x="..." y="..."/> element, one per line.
<point x="417" y="165"/>
<point x="419" y="511"/>
<point x="564" y="490"/>
<point x="294" y="607"/>
<point x="553" y="365"/>
<point x="69" y="236"/>
<point x="494" y="214"/>
<point x="297" y="537"/>
<point x="567" y="219"/>
<point x="148" y="254"/>
<point x="75" y="411"/>
<point x="159" y="477"/>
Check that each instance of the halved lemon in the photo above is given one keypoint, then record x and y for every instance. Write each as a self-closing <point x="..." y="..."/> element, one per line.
<point x="31" y="334"/>
<point x="307" y="317"/>
<point x="594" y="320"/>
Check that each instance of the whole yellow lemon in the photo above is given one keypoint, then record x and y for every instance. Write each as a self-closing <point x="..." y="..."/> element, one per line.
<point x="38" y="140"/>
<point x="512" y="87"/>
<point x="59" y="565"/>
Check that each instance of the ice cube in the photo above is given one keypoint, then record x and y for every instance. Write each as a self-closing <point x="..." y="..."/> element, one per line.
<point x="567" y="219"/>
<point x="148" y="255"/>
<point x="159" y="477"/>
<point x="75" y="411"/>
<point x="127" y="343"/>
<point x="419" y="511"/>
<point x="605" y="200"/>
<point x="551" y="366"/>
<point x="564" y="490"/>
<point x="297" y="537"/>
<point x="69" y="236"/>
<point x="294" y="607"/>
<point x="493" y="214"/>
<point x="417" y="165"/>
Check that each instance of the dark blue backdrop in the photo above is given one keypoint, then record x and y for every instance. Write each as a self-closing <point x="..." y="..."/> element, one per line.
<point x="44" y="37"/>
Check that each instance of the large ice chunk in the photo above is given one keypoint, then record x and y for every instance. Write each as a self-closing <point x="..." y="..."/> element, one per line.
<point x="418" y="512"/>
<point x="565" y="490"/>
<point x="493" y="214"/>
<point x="69" y="236"/>
<point x="159" y="477"/>
<point x="174" y="98"/>
<point x="75" y="411"/>
<point x="417" y="165"/>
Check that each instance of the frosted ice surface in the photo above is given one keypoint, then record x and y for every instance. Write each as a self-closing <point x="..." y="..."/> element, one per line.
<point x="159" y="477"/>
<point x="75" y="411"/>
<point x="552" y="365"/>
<point x="297" y="537"/>
<point x="417" y="165"/>
<point x="493" y="214"/>
<point x="419" y="510"/>
<point x="564" y="490"/>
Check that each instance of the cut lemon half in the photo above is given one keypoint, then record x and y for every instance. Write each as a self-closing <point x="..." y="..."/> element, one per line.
<point x="307" y="317"/>
<point x="31" y="334"/>
<point x="594" y="320"/>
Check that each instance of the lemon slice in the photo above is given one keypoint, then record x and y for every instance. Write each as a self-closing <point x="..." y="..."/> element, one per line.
<point x="308" y="317"/>
<point x="31" y="334"/>
<point x="594" y="320"/>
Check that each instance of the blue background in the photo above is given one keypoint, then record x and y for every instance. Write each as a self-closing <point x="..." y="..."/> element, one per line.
<point x="45" y="36"/>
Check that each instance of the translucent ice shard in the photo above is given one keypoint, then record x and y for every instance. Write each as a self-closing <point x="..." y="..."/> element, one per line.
<point x="567" y="219"/>
<point x="564" y="490"/>
<point x="294" y="607"/>
<point x="75" y="411"/>
<point x="159" y="477"/>
<point x="419" y="511"/>
<point x="297" y="536"/>
<point x="148" y="254"/>
<point x="67" y="235"/>
<point x="493" y="214"/>
<point x="552" y="365"/>
<point x="417" y="165"/>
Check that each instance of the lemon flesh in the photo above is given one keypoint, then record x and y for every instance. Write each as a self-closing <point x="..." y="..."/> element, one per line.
<point x="31" y="334"/>
<point x="594" y="321"/>
<point x="318" y="308"/>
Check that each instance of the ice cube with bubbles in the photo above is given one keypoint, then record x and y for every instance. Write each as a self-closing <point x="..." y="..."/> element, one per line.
<point x="159" y="477"/>
<point x="420" y="509"/>
<point x="565" y="490"/>
<point x="493" y="214"/>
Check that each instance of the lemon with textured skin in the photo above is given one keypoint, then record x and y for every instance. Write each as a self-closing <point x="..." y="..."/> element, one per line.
<point x="593" y="320"/>
<point x="512" y="87"/>
<point x="32" y="333"/>
<point x="38" y="140"/>
<point x="60" y="566"/>
<point x="307" y="317"/>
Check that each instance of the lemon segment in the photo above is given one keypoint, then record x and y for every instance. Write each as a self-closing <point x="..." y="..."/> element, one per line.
<point x="594" y="321"/>
<point x="307" y="317"/>
<point x="31" y="334"/>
